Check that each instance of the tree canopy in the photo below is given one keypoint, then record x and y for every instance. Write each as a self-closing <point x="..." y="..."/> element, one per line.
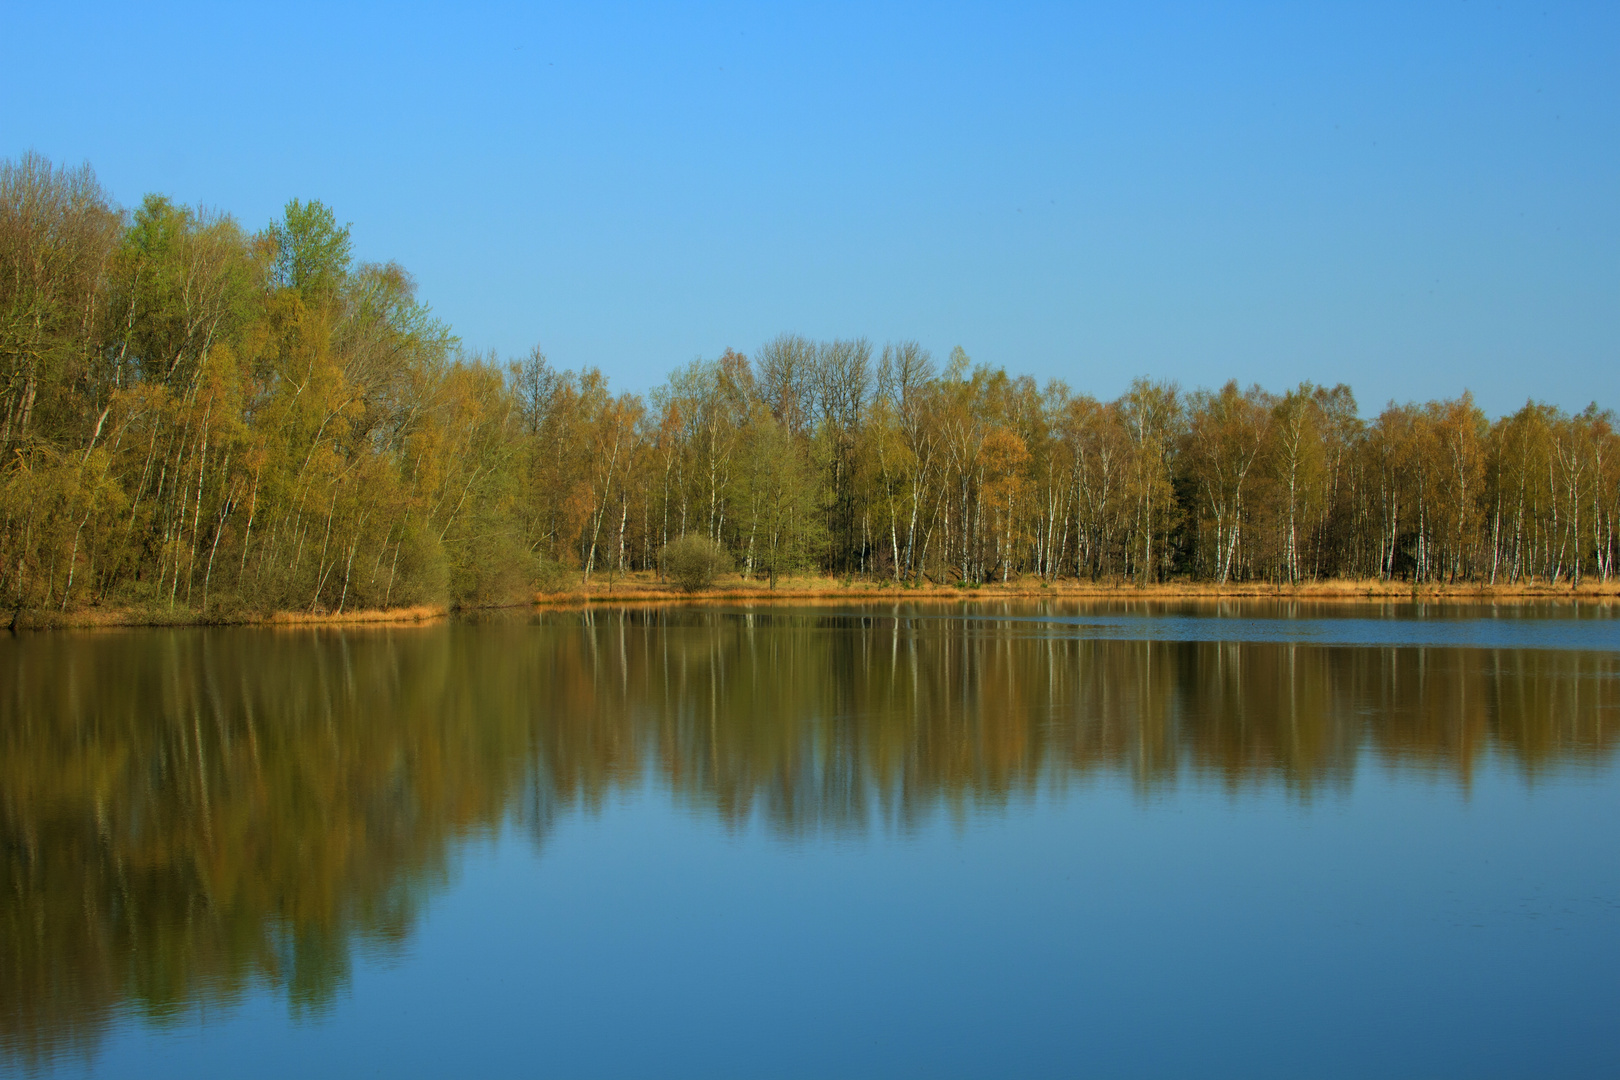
<point x="209" y="419"/>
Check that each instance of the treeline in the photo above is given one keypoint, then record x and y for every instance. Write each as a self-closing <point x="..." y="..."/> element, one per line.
<point x="194" y="415"/>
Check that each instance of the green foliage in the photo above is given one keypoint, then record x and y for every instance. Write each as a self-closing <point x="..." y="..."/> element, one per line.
<point x="493" y="569"/>
<point x="421" y="574"/>
<point x="784" y="526"/>
<point x="311" y="251"/>
<point x="693" y="562"/>
<point x="550" y="576"/>
<point x="58" y="232"/>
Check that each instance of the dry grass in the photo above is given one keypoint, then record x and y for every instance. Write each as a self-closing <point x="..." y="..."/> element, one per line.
<point x="645" y="588"/>
<point x="419" y="613"/>
<point x="109" y="618"/>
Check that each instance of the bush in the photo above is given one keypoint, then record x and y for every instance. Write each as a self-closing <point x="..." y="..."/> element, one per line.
<point x="489" y="569"/>
<point x="550" y="576"/>
<point x="418" y="574"/>
<point x="693" y="562"/>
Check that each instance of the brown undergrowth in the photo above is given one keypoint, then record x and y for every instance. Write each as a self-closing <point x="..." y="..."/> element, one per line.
<point x="645" y="588"/>
<point x="99" y="618"/>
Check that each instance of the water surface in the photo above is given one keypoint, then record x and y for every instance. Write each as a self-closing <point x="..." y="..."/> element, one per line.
<point x="908" y="840"/>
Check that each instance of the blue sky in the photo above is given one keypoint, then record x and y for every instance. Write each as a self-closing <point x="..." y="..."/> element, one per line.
<point x="1410" y="198"/>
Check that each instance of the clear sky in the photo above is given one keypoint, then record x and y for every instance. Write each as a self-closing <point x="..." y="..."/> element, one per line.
<point x="1412" y="198"/>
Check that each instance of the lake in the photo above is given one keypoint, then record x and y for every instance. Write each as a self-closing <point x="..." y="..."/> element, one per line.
<point x="898" y="840"/>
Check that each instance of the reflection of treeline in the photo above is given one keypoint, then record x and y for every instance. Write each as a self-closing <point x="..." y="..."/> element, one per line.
<point x="198" y="416"/>
<point x="184" y="815"/>
<point x="829" y="719"/>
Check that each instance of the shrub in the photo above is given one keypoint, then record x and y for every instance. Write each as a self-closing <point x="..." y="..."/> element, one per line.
<point x="550" y="576"/>
<point x="693" y="562"/>
<point x="491" y="569"/>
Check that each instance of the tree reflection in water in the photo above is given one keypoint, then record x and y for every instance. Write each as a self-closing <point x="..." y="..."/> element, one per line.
<point x="189" y="815"/>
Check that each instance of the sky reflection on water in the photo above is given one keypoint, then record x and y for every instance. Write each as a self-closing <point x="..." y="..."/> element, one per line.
<point x="806" y="843"/>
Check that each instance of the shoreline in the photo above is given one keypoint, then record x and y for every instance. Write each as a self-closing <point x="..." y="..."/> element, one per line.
<point x="176" y="619"/>
<point x="1321" y="590"/>
<point x="645" y="591"/>
<point x="830" y="591"/>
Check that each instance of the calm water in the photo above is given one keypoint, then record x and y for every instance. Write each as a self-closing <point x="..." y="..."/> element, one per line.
<point x="949" y="841"/>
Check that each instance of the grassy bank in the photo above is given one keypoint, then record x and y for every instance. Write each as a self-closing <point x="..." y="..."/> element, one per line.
<point x="645" y="588"/>
<point x="96" y="618"/>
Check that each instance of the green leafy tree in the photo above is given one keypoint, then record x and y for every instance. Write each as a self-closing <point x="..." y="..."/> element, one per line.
<point x="311" y="251"/>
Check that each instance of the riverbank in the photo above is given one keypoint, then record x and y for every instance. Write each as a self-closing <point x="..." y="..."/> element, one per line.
<point x="645" y="589"/>
<point x="98" y="618"/>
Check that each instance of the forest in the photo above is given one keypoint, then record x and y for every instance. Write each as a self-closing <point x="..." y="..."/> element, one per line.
<point x="216" y="421"/>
